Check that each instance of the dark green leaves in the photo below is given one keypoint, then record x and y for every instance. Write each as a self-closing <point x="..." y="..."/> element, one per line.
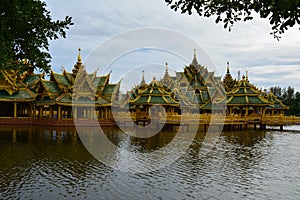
<point x="281" y="14"/>
<point x="26" y="28"/>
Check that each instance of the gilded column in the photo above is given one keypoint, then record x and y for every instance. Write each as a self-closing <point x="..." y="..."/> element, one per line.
<point x="15" y="110"/>
<point x="51" y="112"/>
<point x="59" y="112"/>
<point x="92" y="113"/>
<point x="41" y="112"/>
<point x="75" y="113"/>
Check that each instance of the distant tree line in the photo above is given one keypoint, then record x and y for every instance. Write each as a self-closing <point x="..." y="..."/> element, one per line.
<point x="289" y="97"/>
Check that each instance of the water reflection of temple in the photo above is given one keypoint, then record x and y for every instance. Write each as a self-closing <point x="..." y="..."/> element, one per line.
<point x="78" y="94"/>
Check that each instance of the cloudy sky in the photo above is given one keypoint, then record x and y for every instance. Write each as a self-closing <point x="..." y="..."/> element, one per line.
<point x="127" y="37"/>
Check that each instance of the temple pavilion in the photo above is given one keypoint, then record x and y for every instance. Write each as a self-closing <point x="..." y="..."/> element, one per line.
<point x="147" y="96"/>
<point x="275" y="105"/>
<point x="79" y="94"/>
<point x="196" y="85"/>
<point x="75" y="94"/>
<point x="198" y="89"/>
<point x="245" y="99"/>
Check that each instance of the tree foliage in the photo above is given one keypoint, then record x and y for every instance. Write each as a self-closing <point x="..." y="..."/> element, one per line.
<point x="289" y="98"/>
<point x="26" y="28"/>
<point x="282" y="14"/>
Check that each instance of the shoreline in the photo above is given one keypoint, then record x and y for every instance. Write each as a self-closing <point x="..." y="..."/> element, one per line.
<point x="73" y="123"/>
<point x="57" y="122"/>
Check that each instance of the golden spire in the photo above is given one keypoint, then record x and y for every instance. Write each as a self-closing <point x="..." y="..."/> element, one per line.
<point x="166" y="76"/>
<point x="195" y="62"/>
<point x="143" y="82"/>
<point x="78" y="64"/>
<point x="79" y="56"/>
<point x="166" y="67"/>
<point x="228" y="68"/>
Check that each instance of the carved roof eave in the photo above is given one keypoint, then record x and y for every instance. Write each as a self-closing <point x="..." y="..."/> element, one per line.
<point x="43" y="82"/>
<point x="16" y="100"/>
<point x="32" y="94"/>
<point x="265" y="102"/>
<point x="32" y="99"/>
<point x="250" y="86"/>
<point x="40" y="76"/>
<point x="59" y="84"/>
<point x="106" y="82"/>
<point x="116" y="89"/>
<point x="10" y="77"/>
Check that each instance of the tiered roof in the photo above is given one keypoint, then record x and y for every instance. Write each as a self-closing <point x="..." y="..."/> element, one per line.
<point x="60" y="88"/>
<point x="13" y="89"/>
<point x="194" y="87"/>
<point x="152" y="94"/>
<point x="245" y="94"/>
<point x="196" y="84"/>
<point x="228" y="81"/>
<point x="275" y="103"/>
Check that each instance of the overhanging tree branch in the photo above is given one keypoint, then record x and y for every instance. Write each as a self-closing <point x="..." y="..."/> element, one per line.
<point x="282" y="14"/>
<point x="26" y="28"/>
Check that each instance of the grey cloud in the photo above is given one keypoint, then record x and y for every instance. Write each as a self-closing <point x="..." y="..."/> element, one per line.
<point x="248" y="44"/>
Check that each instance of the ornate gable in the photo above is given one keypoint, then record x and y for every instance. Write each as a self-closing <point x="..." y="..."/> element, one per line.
<point x="83" y="86"/>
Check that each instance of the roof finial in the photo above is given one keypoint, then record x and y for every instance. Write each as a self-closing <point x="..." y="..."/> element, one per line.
<point x="166" y="76"/>
<point x="228" y="68"/>
<point x="143" y="82"/>
<point x="246" y="75"/>
<point x="239" y="75"/>
<point x="78" y="64"/>
<point x="195" y="62"/>
<point x="79" y="56"/>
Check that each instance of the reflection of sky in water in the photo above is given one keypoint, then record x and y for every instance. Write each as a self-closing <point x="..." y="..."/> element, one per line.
<point x="248" y="164"/>
<point x="287" y="128"/>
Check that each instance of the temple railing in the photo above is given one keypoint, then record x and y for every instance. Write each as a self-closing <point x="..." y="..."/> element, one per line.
<point x="214" y="118"/>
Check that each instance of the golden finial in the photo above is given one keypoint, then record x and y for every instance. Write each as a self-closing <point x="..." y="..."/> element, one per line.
<point x="79" y="56"/>
<point x="194" y="61"/>
<point x="167" y="70"/>
<point x="143" y="82"/>
<point x="228" y="68"/>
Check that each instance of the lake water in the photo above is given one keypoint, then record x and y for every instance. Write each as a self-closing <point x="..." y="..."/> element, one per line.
<point x="45" y="163"/>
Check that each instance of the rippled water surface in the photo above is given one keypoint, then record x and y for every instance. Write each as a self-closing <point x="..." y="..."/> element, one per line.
<point x="43" y="163"/>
